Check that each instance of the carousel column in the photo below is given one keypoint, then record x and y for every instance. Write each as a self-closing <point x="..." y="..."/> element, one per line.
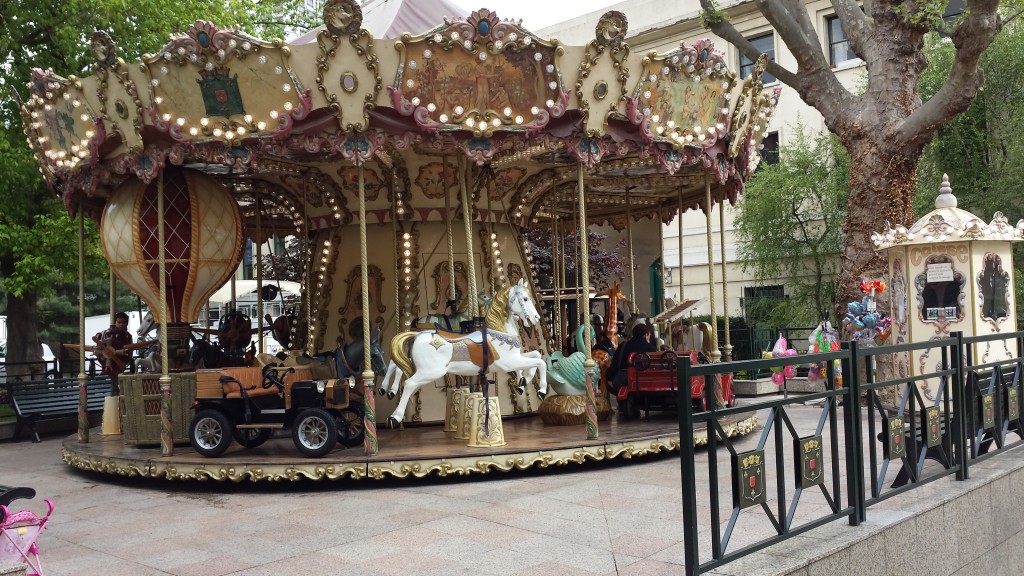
<point x="455" y="397"/>
<point x="259" y="272"/>
<point x="482" y="431"/>
<point x="588" y="364"/>
<point x="629" y="248"/>
<point x="714" y="355"/>
<point x="83" y="386"/>
<point x="727" y="349"/>
<point x="166" y="442"/>
<point x="370" y="422"/>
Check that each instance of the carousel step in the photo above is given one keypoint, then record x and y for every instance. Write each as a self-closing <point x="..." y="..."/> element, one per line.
<point x="269" y="426"/>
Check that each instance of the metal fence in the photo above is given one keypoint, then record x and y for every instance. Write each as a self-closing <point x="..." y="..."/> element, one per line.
<point x="872" y="440"/>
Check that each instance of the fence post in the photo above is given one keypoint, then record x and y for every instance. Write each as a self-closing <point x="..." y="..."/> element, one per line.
<point x="688" y="471"/>
<point x="854" y="433"/>
<point x="960" y="405"/>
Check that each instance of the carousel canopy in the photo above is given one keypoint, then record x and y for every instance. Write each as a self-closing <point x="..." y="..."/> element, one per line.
<point x="474" y="97"/>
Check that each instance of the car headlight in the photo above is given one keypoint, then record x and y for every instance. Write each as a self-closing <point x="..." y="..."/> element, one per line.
<point x="321" y="385"/>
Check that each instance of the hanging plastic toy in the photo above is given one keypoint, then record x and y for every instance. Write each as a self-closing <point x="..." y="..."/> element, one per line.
<point x="823" y="339"/>
<point x="865" y="322"/>
<point x="781" y="349"/>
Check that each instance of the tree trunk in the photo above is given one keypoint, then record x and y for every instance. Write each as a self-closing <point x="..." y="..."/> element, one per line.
<point x="23" y="343"/>
<point x="877" y="196"/>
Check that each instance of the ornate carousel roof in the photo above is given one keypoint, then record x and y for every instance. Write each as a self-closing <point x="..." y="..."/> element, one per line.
<point x="289" y="123"/>
<point x="947" y="223"/>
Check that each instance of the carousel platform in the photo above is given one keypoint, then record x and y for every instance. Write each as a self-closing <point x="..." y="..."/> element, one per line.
<point x="413" y="452"/>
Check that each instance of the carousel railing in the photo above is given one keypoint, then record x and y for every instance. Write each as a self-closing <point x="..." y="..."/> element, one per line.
<point x="900" y="434"/>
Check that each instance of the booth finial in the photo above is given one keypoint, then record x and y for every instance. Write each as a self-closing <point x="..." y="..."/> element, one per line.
<point x="945" y="199"/>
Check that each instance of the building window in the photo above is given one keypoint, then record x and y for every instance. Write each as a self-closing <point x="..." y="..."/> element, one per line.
<point x="953" y="11"/>
<point x="766" y="45"/>
<point x="770" y="148"/>
<point x="839" y="50"/>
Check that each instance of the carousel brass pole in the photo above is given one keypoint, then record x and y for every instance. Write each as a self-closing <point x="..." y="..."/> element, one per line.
<point x="588" y="364"/>
<point x="83" y="386"/>
<point x="448" y="216"/>
<point x="166" y="441"/>
<point x="711" y="268"/>
<point x="259" y="272"/>
<point x="629" y="248"/>
<point x="727" y="349"/>
<point x="682" y="286"/>
<point x="398" y="258"/>
<point x="234" y="295"/>
<point x="370" y="419"/>
<point x="113" y="297"/>
<point x="307" y="299"/>
<point x="467" y="217"/>
<point x="556" y="279"/>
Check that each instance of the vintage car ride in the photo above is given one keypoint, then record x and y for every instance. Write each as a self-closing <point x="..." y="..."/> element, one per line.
<point x="653" y="381"/>
<point x="249" y="404"/>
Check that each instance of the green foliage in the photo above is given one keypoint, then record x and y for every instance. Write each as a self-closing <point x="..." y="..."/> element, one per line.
<point x="981" y="149"/>
<point x="789" y="228"/>
<point x="38" y="242"/>
<point x="712" y="15"/>
<point x="923" y="13"/>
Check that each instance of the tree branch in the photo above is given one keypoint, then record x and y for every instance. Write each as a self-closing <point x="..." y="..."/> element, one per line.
<point x="730" y="34"/>
<point x="856" y="24"/>
<point x="975" y="32"/>
<point x="804" y="46"/>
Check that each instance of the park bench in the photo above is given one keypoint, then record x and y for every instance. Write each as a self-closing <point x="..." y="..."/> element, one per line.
<point x="9" y="494"/>
<point x="49" y="399"/>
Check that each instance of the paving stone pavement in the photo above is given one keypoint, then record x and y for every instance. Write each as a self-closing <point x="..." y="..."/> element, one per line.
<point x="620" y="518"/>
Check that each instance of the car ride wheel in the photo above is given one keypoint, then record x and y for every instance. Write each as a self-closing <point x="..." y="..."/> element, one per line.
<point x="642" y="361"/>
<point x="210" y="433"/>
<point x="251" y="437"/>
<point x="315" y="432"/>
<point x="350" y="426"/>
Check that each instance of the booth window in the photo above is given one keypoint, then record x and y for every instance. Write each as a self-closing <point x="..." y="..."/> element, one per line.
<point x="940" y="291"/>
<point x="766" y="45"/>
<point x="770" y="148"/>
<point x="994" y="287"/>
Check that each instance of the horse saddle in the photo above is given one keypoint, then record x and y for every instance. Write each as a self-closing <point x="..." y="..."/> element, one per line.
<point x="465" y="349"/>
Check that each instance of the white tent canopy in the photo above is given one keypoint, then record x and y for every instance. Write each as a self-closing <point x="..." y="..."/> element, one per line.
<point x="243" y="288"/>
<point x="391" y="18"/>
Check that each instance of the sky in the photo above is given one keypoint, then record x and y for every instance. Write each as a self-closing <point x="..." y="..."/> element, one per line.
<point x="537" y="14"/>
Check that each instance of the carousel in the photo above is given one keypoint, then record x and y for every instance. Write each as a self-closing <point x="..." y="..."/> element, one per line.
<point x="408" y="170"/>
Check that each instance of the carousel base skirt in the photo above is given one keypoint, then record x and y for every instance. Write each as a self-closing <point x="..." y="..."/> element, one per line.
<point x="414" y="452"/>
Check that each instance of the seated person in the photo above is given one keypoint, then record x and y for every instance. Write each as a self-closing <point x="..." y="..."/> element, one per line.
<point x="639" y="342"/>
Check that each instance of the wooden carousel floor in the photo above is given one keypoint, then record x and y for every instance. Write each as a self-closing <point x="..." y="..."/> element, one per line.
<point x="414" y="452"/>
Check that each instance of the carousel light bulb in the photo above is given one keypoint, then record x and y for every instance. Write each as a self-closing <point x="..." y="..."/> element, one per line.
<point x="89" y="133"/>
<point x="287" y="87"/>
<point x="550" y="103"/>
<point x="482" y="125"/>
<point x="459" y="110"/>
<point x="496" y="122"/>
<point x="519" y="119"/>
<point x="415" y="100"/>
<point x="193" y="131"/>
<point x="508" y="111"/>
<point x="406" y="235"/>
<point x="470" y="122"/>
<point x="241" y="130"/>
<point x="217" y="132"/>
<point x="443" y="118"/>
<point x="229" y="135"/>
<point x="261" y="125"/>
<point x="204" y="121"/>
<point x="288" y="106"/>
<point x="534" y="110"/>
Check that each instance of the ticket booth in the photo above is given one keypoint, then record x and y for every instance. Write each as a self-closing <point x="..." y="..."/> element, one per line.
<point x="950" y="271"/>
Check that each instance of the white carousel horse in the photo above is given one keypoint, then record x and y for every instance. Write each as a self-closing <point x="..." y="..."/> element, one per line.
<point x="432" y="355"/>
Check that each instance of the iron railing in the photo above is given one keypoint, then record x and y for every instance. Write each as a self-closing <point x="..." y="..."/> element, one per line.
<point x="868" y="433"/>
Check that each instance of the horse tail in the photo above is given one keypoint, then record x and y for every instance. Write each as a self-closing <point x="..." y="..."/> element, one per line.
<point x="398" y="354"/>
